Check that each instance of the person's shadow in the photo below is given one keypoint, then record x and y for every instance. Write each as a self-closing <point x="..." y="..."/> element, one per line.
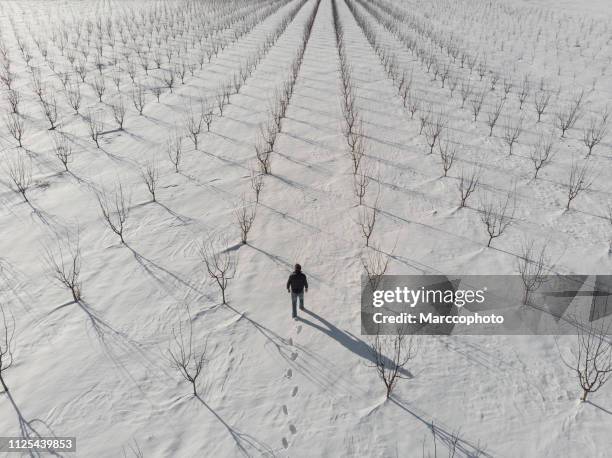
<point x="349" y="341"/>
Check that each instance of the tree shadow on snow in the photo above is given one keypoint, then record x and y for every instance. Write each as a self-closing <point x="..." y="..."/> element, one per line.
<point x="243" y="441"/>
<point x="348" y="340"/>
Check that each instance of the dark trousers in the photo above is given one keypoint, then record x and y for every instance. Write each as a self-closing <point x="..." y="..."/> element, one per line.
<point x="294" y="301"/>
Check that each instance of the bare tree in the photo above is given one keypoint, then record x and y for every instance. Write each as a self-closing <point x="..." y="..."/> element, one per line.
<point x="257" y="183"/>
<point x="433" y="130"/>
<point x="367" y="221"/>
<point x="448" y="151"/>
<point x="150" y="176"/>
<point x="468" y="181"/>
<point x="477" y="102"/>
<point x="138" y="98"/>
<point x="512" y="132"/>
<point x="193" y="125"/>
<point x="579" y="180"/>
<point x="541" y="100"/>
<point x="185" y="355"/>
<point x="118" y="108"/>
<point x="532" y="268"/>
<point x="13" y="98"/>
<point x="62" y="149"/>
<point x="99" y="86"/>
<point x="73" y="94"/>
<point x="541" y="153"/>
<point x="391" y="354"/>
<point x="245" y="217"/>
<point x="207" y="114"/>
<point x="65" y="264"/>
<point x="96" y="127"/>
<point x="7" y="345"/>
<point x="524" y="91"/>
<point x="568" y="115"/>
<point x="595" y="132"/>
<point x="375" y="265"/>
<point x="497" y="216"/>
<point x="361" y="181"/>
<point x="591" y="356"/>
<point x="174" y="149"/>
<point x="49" y="105"/>
<point x="494" y="115"/>
<point x="15" y="124"/>
<point x="220" y="263"/>
<point x="19" y="171"/>
<point x="115" y="210"/>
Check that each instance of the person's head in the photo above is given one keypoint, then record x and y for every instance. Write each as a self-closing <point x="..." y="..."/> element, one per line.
<point x="298" y="268"/>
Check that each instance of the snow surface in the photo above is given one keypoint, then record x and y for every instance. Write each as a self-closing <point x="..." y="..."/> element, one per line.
<point x="272" y="386"/>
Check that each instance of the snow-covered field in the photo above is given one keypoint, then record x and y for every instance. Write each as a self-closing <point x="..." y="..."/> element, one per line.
<point x="98" y="368"/>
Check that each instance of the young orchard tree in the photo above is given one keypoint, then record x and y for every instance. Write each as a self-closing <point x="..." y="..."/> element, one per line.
<point x="257" y="183"/>
<point x="185" y="355"/>
<point x="99" y="86"/>
<point x="361" y="181"/>
<point x="433" y="130"/>
<point x="512" y="132"/>
<point x="477" y="102"/>
<point x="15" y="124"/>
<point x="568" y="116"/>
<point x="220" y="263"/>
<point x="448" y="151"/>
<point x="7" y="345"/>
<point x="391" y="354"/>
<point x="65" y="264"/>
<point x="542" y="153"/>
<point x="19" y="171"/>
<point x="73" y="94"/>
<point x="532" y="268"/>
<point x="193" y="125"/>
<point x="49" y="106"/>
<point x="497" y="216"/>
<point x="540" y="101"/>
<point x="595" y="132"/>
<point x="375" y="265"/>
<point x="62" y="149"/>
<point x="157" y="92"/>
<point x="468" y="181"/>
<point x="150" y="176"/>
<point x="245" y="217"/>
<point x="115" y="210"/>
<point x="494" y="115"/>
<point x="207" y="113"/>
<point x="591" y="356"/>
<point x="579" y="180"/>
<point x="118" y="109"/>
<point x="96" y="127"/>
<point x="367" y="221"/>
<point x="174" y="149"/>
<point x="465" y="91"/>
<point x="524" y="91"/>
<point x="13" y="98"/>
<point x="139" y="98"/>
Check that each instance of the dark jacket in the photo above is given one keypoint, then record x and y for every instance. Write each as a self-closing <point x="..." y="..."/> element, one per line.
<point x="297" y="281"/>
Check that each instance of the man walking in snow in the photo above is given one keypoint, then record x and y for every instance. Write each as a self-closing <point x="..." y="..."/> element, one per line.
<point x="296" y="285"/>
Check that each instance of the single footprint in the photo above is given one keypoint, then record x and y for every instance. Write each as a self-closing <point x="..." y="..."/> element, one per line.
<point x="299" y="329"/>
<point x="294" y="356"/>
<point x="294" y="391"/>
<point x="285" y="411"/>
<point x="293" y="429"/>
<point x="289" y="373"/>
<point x="285" y="443"/>
<point x="290" y="341"/>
